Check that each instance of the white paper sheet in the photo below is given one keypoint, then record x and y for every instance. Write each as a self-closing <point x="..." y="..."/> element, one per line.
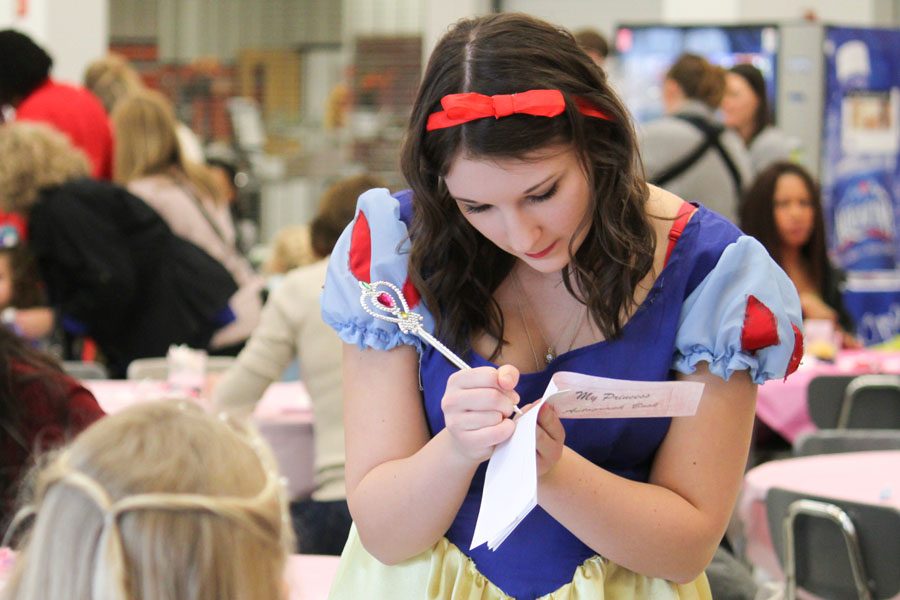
<point x="510" y="484"/>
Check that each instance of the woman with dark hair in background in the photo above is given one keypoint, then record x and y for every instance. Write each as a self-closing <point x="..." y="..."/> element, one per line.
<point x="688" y="152"/>
<point x="745" y="109"/>
<point x="783" y="210"/>
<point x="40" y="408"/>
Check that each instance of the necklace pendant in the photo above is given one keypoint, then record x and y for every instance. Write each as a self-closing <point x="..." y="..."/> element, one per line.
<point x="550" y="355"/>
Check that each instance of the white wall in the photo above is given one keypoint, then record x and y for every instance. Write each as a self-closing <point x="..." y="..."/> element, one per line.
<point x="605" y="15"/>
<point x="838" y="12"/>
<point x="602" y="15"/>
<point x="439" y="15"/>
<point x="73" y="32"/>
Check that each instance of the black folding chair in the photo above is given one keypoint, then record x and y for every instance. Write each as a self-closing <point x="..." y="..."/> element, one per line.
<point x="824" y="397"/>
<point x="834" y="441"/>
<point x="871" y="402"/>
<point x="835" y="549"/>
<point x="855" y="402"/>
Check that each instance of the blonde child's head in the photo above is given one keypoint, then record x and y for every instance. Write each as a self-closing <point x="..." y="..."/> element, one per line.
<point x="159" y="501"/>
<point x="291" y="248"/>
<point x="112" y="78"/>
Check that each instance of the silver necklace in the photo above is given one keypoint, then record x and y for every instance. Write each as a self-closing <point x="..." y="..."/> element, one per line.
<point x="550" y="354"/>
<point x="537" y="363"/>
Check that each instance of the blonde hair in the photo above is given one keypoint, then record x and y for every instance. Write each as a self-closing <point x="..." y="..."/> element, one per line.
<point x="159" y="501"/>
<point x="35" y="156"/>
<point x="147" y="143"/>
<point x="112" y="78"/>
<point x="291" y="248"/>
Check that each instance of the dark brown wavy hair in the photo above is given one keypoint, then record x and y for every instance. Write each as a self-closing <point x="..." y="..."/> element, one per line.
<point x="455" y="268"/>
<point x="758" y="217"/>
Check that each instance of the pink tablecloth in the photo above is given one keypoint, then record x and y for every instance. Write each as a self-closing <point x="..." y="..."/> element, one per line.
<point x="782" y="404"/>
<point x="283" y="415"/>
<point x="865" y="477"/>
<point x="308" y="575"/>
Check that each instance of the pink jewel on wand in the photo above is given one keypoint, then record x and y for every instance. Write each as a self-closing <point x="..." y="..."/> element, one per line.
<point x="390" y="305"/>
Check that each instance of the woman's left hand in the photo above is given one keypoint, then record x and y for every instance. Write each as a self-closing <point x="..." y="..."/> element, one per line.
<point x="550" y="439"/>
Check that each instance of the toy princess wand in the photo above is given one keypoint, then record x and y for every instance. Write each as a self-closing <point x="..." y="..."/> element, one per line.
<point x="390" y="305"/>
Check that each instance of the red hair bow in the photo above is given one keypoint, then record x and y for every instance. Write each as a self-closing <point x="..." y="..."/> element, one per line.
<point x="462" y="108"/>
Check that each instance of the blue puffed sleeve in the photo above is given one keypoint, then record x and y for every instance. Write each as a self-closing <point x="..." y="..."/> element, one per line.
<point x="745" y="314"/>
<point x="374" y="247"/>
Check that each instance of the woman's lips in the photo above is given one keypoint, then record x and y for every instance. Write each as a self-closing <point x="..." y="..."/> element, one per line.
<point x="542" y="253"/>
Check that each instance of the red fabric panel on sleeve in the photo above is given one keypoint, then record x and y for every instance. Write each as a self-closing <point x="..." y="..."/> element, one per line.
<point x="361" y="249"/>
<point x="798" y="352"/>
<point x="760" y="327"/>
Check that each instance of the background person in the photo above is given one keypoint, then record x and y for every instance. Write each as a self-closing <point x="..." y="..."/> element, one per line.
<point x="745" y="109"/>
<point x="688" y="152"/>
<point x="25" y="84"/>
<point x="23" y="302"/>
<point x="291" y="248"/>
<point x="227" y="177"/>
<point x="160" y="500"/>
<point x="291" y="327"/>
<point x="149" y="160"/>
<point x="112" y="78"/>
<point x="113" y="269"/>
<point x="530" y="244"/>
<point x="594" y="45"/>
<point x="783" y="210"/>
<point x="41" y="408"/>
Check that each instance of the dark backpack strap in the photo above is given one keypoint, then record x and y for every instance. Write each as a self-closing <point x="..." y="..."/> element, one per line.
<point x="711" y="134"/>
<point x="679" y="167"/>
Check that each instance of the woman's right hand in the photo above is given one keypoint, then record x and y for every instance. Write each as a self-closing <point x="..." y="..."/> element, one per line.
<point x="476" y="405"/>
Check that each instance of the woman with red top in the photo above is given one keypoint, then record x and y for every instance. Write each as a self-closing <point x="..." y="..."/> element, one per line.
<point x="26" y="85"/>
<point x="40" y="408"/>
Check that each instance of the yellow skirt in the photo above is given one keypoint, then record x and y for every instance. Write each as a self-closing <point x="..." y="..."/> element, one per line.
<point x="445" y="573"/>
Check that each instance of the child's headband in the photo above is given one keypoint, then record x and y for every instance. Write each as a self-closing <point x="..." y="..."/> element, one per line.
<point x="462" y="108"/>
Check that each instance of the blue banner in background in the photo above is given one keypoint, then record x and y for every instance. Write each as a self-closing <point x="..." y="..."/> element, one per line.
<point x="861" y="147"/>
<point x="861" y="173"/>
<point x="873" y="302"/>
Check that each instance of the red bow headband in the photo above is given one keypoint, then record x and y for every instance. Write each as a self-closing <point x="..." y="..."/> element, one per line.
<point x="462" y="108"/>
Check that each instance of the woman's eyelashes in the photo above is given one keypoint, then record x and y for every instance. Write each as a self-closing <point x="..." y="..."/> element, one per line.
<point x="473" y="209"/>
<point x="479" y="208"/>
<point x="546" y="195"/>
